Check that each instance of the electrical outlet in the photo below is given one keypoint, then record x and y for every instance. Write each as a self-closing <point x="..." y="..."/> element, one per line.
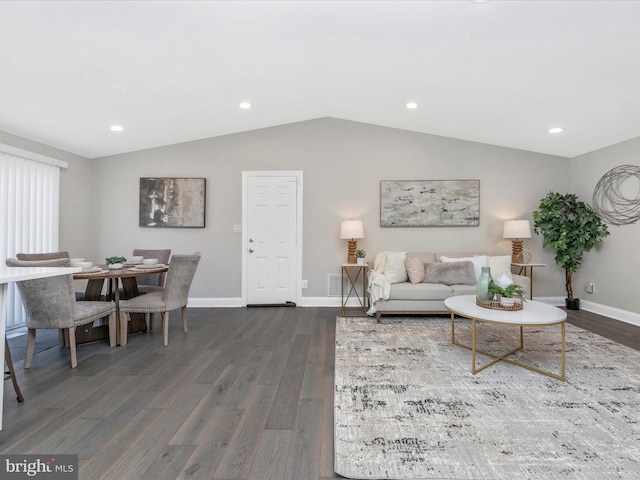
<point x="589" y="287"/>
<point x="304" y="284"/>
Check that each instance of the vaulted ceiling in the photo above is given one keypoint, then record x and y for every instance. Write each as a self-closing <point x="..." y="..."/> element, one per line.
<point x="498" y="72"/>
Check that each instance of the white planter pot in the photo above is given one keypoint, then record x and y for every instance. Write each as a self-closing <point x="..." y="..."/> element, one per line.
<point x="361" y="261"/>
<point x="507" y="302"/>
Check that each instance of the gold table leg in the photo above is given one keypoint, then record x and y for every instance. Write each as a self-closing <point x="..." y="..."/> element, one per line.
<point x="503" y="357"/>
<point x="352" y="292"/>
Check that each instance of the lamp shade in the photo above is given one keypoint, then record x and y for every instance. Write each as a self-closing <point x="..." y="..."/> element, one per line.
<point x="352" y="229"/>
<point x="516" y="229"/>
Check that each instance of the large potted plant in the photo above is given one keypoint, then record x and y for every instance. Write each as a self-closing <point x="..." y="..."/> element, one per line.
<point x="573" y="229"/>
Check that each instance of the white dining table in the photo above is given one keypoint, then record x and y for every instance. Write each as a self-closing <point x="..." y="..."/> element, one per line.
<point x="18" y="274"/>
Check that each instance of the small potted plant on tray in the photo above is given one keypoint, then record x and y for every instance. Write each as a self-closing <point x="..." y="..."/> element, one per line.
<point x="115" y="262"/>
<point x="508" y="295"/>
<point x="360" y="254"/>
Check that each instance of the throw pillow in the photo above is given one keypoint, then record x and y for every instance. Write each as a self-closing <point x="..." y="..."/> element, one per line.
<point x="450" y="273"/>
<point x="478" y="261"/>
<point x="500" y="264"/>
<point x="394" y="267"/>
<point x="415" y="269"/>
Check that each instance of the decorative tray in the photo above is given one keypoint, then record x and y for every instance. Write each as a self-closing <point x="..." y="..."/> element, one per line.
<point x="496" y="305"/>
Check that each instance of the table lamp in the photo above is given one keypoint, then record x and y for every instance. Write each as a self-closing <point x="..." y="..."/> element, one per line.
<point x="351" y="230"/>
<point x="516" y="230"/>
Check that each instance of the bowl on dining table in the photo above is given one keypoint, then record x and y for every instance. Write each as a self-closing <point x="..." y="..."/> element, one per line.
<point x="85" y="266"/>
<point x="150" y="261"/>
<point x="75" y="262"/>
<point x="136" y="259"/>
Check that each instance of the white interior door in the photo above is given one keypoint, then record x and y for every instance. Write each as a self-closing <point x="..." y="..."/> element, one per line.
<point x="271" y="237"/>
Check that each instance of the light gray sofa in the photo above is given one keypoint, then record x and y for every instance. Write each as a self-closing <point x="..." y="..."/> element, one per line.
<point x="389" y="294"/>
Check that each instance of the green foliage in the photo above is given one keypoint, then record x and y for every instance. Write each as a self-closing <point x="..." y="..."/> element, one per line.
<point x="571" y="227"/>
<point x="111" y="260"/>
<point x="512" y="291"/>
<point x="360" y="253"/>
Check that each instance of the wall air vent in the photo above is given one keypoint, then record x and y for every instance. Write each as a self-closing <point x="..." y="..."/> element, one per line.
<point x="333" y="285"/>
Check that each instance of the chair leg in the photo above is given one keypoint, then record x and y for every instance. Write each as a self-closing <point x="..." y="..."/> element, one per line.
<point x="12" y="372"/>
<point x="113" y="330"/>
<point x="72" y="346"/>
<point x="165" y="327"/>
<point x="150" y="317"/>
<point x="124" y="326"/>
<point x="31" y="345"/>
<point x="184" y="319"/>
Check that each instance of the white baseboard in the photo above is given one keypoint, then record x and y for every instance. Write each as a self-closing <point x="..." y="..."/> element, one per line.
<point x="335" y="302"/>
<point x="215" y="302"/>
<point x="611" y="312"/>
<point x="323" y="302"/>
<point x="237" y="302"/>
<point x="604" y="310"/>
<point x="556" y="301"/>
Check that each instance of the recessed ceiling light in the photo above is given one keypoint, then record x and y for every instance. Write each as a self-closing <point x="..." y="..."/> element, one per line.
<point x="412" y="105"/>
<point x="555" y="130"/>
<point x="245" y="105"/>
<point x="116" y="128"/>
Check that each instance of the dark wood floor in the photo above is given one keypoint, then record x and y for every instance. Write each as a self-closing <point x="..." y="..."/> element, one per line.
<point x="246" y="394"/>
<point x="615" y="330"/>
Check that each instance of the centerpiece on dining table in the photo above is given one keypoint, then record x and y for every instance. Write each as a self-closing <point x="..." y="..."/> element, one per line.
<point x="115" y="263"/>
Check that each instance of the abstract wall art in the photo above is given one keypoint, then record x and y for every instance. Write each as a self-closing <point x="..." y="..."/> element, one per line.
<point x="172" y="202"/>
<point x="429" y="203"/>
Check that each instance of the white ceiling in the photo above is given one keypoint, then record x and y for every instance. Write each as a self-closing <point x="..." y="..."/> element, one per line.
<point x="501" y="72"/>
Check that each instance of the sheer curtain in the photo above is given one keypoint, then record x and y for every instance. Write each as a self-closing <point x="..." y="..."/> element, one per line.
<point x="29" y="213"/>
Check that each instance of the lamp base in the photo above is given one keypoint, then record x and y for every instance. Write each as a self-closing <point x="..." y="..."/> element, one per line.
<point x="352" y="246"/>
<point x="516" y="251"/>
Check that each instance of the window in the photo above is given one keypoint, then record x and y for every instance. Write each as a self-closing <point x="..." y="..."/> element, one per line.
<point x="29" y="212"/>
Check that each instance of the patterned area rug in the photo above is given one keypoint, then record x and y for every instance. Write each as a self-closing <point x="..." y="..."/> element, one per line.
<point x="407" y="405"/>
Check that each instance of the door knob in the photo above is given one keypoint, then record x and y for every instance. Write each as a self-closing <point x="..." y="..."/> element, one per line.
<point x="251" y="250"/>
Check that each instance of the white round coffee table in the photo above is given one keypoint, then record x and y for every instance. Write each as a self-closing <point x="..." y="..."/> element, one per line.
<point x="533" y="314"/>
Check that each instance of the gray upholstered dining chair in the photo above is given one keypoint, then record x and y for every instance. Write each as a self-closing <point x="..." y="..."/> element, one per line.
<point x="47" y="256"/>
<point x="174" y="295"/>
<point x="154" y="282"/>
<point x="41" y="256"/>
<point x="51" y="303"/>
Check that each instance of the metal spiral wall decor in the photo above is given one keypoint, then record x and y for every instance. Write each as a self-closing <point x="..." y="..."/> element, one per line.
<point x="614" y="205"/>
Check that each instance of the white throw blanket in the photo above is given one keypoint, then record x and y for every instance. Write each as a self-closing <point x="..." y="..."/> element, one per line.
<point x="379" y="285"/>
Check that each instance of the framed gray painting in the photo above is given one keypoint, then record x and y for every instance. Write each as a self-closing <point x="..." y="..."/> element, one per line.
<point x="172" y="202"/>
<point x="429" y="203"/>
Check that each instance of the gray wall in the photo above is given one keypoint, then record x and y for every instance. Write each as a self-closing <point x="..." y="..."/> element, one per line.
<point x="613" y="268"/>
<point x="342" y="163"/>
